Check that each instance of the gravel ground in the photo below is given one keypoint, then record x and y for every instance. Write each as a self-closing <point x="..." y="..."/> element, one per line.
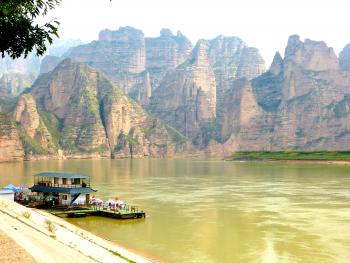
<point x="11" y="252"/>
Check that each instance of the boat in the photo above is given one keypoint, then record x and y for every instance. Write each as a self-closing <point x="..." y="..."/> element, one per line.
<point x="68" y="194"/>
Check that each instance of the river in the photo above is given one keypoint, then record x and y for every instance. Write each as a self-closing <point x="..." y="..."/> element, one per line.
<point x="217" y="211"/>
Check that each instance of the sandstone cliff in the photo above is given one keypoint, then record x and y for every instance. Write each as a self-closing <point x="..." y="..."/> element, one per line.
<point x="77" y="110"/>
<point x="232" y="59"/>
<point x="165" y="53"/>
<point x="300" y="103"/>
<point x="10" y="142"/>
<point x="186" y="97"/>
<point x="120" y="54"/>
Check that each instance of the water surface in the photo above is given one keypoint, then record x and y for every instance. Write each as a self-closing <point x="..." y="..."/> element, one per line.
<point x="217" y="211"/>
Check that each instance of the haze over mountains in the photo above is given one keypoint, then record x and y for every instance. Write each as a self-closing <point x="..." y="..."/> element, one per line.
<point x="127" y="95"/>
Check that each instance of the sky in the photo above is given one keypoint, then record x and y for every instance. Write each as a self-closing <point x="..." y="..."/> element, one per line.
<point x="263" y="24"/>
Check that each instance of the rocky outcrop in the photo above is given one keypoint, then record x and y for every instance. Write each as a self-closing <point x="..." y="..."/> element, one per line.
<point x="10" y="143"/>
<point x="186" y="98"/>
<point x="300" y="103"/>
<point x="76" y="109"/>
<point x="165" y="53"/>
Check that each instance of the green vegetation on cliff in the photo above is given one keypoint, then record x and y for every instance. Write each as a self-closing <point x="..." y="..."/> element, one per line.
<point x="292" y="155"/>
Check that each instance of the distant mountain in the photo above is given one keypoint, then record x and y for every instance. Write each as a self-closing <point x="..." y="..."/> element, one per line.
<point x="18" y="74"/>
<point x="126" y="95"/>
<point x="301" y="102"/>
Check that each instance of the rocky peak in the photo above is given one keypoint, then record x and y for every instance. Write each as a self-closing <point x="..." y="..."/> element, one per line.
<point x="199" y="55"/>
<point x="344" y="58"/>
<point x="120" y="54"/>
<point x="165" y="32"/>
<point x="310" y="55"/>
<point x="277" y="64"/>
<point x="251" y="65"/>
<point x="165" y="53"/>
<point x="123" y="34"/>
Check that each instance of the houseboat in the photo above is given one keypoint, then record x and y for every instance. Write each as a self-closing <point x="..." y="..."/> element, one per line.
<point x="68" y="194"/>
<point x="62" y="189"/>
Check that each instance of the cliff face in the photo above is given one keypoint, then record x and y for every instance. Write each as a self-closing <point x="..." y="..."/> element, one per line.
<point x="232" y="59"/>
<point x="165" y="53"/>
<point x="120" y="54"/>
<point x="76" y="109"/>
<point x="186" y="98"/>
<point x="10" y="142"/>
<point x="301" y="102"/>
<point x="214" y="98"/>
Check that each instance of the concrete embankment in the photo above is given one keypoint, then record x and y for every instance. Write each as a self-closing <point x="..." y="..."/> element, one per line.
<point x="47" y="238"/>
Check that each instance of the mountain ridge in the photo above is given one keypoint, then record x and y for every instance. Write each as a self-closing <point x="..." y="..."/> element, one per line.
<point x="211" y="99"/>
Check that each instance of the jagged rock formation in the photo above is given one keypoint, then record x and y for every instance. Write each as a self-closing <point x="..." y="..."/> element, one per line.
<point x="120" y="54"/>
<point x="10" y="142"/>
<point x="217" y="96"/>
<point x="135" y="63"/>
<point x="232" y="59"/>
<point x="165" y="53"/>
<point x="301" y="102"/>
<point x="76" y="109"/>
<point x="186" y="98"/>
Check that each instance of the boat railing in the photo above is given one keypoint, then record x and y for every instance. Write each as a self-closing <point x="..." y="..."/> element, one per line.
<point x="116" y="208"/>
<point x="64" y="185"/>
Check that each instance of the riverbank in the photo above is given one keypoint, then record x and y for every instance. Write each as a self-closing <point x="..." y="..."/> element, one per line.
<point x="50" y="239"/>
<point x="331" y="157"/>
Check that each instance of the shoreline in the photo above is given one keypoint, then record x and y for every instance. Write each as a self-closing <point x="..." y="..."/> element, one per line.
<point x="332" y="162"/>
<point x="28" y="226"/>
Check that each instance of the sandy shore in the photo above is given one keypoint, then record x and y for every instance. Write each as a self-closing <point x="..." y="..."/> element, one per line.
<point x="46" y="238"/>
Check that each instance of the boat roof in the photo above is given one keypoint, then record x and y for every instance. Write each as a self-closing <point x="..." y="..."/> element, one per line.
<point x="62" y="175"/>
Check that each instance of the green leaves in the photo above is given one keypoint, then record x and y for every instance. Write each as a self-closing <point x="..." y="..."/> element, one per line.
<point x="19" y="33"/>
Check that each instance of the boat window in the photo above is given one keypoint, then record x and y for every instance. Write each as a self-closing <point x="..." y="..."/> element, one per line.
<point x="76" y="181"/>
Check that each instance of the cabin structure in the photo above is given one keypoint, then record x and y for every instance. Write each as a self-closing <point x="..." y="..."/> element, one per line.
<point x="64" y="188"/>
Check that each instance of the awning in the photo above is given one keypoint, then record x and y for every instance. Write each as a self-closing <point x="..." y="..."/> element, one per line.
<point x="48" y="189"/>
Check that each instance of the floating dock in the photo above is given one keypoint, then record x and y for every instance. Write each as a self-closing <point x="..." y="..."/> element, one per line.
<point x="104" y="211"/>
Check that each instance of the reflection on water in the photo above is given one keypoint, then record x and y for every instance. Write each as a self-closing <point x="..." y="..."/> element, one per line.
<point x="216" y="211"/>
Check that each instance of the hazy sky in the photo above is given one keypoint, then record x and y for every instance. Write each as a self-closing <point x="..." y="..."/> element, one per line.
<point x="265" y="24"/>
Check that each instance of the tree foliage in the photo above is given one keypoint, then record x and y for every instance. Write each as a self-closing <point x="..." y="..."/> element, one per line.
<point x="19" y="31"/>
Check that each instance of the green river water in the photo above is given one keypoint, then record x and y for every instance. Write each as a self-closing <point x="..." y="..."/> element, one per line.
<point x="217" y="211"/>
